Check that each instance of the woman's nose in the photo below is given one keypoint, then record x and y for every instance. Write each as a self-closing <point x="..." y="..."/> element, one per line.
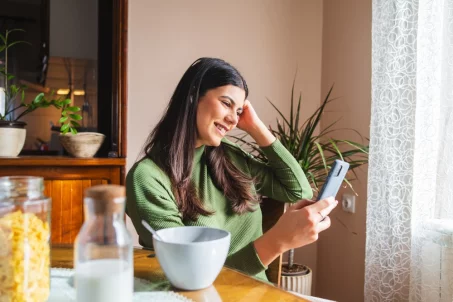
<point x="232" y="118"/>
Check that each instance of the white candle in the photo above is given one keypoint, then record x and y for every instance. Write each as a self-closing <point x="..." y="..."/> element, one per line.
<point x="2" y="101"/>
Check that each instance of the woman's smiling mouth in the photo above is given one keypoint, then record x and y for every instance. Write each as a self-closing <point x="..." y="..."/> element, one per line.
<point x="222" y="129"/>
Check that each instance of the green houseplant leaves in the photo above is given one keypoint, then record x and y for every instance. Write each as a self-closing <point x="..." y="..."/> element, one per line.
<point x="315" y="152"/>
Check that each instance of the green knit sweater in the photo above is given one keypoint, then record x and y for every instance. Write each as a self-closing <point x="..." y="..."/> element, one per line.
<point x="150" y="197"/>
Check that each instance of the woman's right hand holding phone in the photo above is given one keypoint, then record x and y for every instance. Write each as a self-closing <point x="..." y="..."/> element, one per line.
<point x="298" y="226"/>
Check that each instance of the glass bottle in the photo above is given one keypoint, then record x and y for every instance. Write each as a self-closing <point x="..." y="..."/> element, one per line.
<point x="103" y="258"/>
<point x="24" y="239"/>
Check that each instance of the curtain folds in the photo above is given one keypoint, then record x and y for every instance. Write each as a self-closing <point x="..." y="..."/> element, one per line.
<point x="409" y="247"/>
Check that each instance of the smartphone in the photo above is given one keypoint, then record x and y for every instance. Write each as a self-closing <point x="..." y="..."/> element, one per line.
<point x="334" y="179"/>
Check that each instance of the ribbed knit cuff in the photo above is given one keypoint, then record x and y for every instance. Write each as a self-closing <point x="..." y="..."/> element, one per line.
<point x="246" y="260"/>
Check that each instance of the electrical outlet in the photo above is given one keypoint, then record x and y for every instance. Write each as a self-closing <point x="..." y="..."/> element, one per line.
<point x="348" y="203"/>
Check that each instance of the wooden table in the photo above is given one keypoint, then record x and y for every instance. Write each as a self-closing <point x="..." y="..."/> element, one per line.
<point x="230" y="285"/>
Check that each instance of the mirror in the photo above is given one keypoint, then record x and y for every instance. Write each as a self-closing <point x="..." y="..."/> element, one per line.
<point x="64" y="40"/>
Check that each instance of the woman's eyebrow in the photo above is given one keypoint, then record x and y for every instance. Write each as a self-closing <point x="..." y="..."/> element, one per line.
<point x="231" y="100"/>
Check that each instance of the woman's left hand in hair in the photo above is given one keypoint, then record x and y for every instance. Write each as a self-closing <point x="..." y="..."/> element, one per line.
<point x="252" y="124"/>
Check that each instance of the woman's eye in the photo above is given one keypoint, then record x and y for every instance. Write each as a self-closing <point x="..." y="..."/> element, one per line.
<point x="226" y="104"/>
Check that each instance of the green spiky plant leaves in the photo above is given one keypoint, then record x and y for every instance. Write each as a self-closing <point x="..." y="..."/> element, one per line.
<point x="315" y="152"/>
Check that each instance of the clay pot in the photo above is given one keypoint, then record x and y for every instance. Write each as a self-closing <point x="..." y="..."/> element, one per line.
<point x="83" y="144"/>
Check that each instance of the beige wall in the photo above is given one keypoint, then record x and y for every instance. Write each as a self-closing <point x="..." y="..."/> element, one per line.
<point x="346" y="61"/>
<point x="265" y="39"/>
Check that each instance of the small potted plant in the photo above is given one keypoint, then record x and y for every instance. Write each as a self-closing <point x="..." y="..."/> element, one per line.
<point x="315" y="153"/>
<point x="12" y="104"/>
<point x="13" y="107"/>
<point x="77" y="144"/>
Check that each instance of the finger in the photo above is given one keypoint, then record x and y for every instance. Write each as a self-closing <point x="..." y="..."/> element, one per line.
<point x="323" y="212"/>
<point x="323" y="205"/>
<point x="323" y="225"/>
<point x="301" y="204"/>
<point x="329" y="209"/>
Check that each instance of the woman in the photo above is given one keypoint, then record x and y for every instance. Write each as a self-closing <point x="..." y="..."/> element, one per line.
<point x="192" y="175"/>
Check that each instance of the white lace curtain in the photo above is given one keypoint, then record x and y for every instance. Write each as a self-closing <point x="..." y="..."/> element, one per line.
<point x="409" y="246"/>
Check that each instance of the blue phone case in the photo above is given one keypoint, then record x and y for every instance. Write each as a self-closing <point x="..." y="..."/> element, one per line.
<point x="334" y="179"/>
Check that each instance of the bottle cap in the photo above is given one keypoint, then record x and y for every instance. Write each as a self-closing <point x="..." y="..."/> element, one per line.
<point x="106" y="198"/>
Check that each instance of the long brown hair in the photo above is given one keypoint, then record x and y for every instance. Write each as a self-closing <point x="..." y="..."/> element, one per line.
<point x="176" y="134"/>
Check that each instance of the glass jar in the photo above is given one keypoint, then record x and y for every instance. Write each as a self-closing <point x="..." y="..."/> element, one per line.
<point x="24" y="238"/>
<point x="103" y="257"/>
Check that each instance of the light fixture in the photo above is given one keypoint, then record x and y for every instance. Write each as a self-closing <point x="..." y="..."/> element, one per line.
<point x="63" y="91"/>
<point x="79" y="92"/>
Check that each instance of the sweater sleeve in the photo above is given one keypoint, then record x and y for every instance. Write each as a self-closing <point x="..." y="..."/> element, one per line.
<point x="149" y="198"/>
<point x="247" y="260"/>
<point x="281" y="178"/>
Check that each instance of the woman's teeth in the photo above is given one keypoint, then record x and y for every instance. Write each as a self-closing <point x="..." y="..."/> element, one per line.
<point x="221" y="129"/>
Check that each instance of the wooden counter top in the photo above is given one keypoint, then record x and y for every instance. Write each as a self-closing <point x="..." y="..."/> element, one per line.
<point x="230" y="285"/>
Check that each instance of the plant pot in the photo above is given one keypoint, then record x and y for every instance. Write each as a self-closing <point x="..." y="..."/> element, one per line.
<point x="83" y="144"/>
<point x="12" y="138"/>
<point x="299" y="281"/>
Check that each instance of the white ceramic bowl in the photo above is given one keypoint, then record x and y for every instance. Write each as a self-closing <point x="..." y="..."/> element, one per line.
<point x="192" y="257"/>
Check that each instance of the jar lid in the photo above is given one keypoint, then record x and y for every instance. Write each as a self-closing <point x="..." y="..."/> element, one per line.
<point x="13" y="187"/>
<point x="106" y="198"/>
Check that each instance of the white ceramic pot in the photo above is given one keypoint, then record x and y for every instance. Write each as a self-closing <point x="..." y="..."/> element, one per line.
<point x="12" y="138"/>
<point x="192" y="257"/>
<point x="82" y="144"/>
<point x="299" y="283"/>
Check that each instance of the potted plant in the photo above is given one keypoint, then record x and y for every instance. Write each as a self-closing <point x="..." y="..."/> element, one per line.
<point x="13" y="106"/>
<point x="82" y="145"/>
<point x="315" y="152"/>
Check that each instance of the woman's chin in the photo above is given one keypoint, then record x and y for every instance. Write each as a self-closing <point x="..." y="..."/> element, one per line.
<point x="214" y="140"/>
<point x="214" y="143"/>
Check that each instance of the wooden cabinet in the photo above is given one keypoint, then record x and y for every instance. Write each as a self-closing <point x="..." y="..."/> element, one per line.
<point x="66" y="177"/>
<point x="65" y="181"/>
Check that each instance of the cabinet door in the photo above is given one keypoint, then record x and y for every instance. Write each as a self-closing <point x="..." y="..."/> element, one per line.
<point x="67" y="207"/>
<point x="65" y="181"/>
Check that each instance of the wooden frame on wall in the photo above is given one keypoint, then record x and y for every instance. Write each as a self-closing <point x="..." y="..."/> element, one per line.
<point x="122" y="75"/>
<point x="112" y="60"/>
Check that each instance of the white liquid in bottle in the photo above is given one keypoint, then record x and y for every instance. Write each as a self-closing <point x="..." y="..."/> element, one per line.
<point x="106" y="280"/>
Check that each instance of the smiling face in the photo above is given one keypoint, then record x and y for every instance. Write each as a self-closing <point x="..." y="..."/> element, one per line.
<point x="217" y="113"/>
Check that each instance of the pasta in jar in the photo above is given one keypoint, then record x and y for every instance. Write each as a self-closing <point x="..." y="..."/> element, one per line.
<point x="24" y="251"/>
<point x="24" y="259"/>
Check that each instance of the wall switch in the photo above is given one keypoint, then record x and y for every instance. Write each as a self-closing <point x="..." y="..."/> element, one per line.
<point x="348" y="203"/>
